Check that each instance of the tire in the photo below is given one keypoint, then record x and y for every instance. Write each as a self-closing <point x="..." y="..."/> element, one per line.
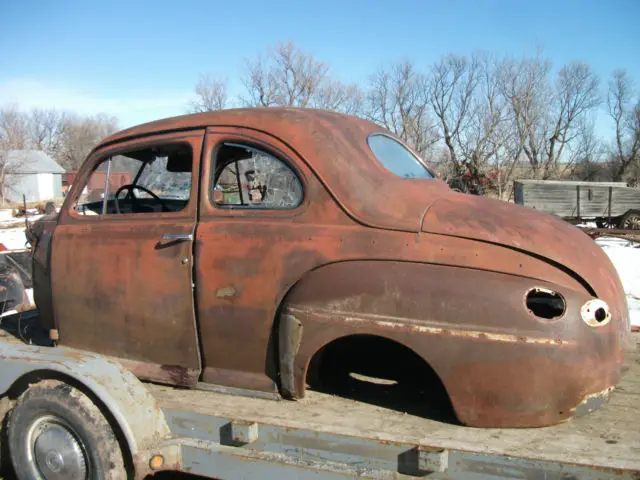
<point x="631" y="220"/>
<point x="56" y="432"/>
<point x="458" y="185"/>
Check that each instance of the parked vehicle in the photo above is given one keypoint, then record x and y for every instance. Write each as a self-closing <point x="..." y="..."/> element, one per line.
<point x="259" y="251"/>
<point x="306" y="240"/>
<point x="609" y="204"/>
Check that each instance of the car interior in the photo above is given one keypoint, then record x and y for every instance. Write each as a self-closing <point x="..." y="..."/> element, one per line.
<point x="160" y="182"/>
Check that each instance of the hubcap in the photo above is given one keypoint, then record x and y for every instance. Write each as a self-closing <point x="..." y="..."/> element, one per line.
<point x="632" y="222"/>
<point x="55" y="451"/>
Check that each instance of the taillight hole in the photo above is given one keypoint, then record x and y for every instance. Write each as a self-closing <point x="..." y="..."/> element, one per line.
<point x="545" y="303"/>
<point x="600" y="315"/>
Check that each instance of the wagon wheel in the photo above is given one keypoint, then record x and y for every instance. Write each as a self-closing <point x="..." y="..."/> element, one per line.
<point x="604" y="223"/>
<point x="631" y="220"/>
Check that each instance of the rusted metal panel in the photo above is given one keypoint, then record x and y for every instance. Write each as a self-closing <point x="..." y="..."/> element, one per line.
<point x="500" y="364"/>
<point x="39" y="236"/>
<point x="354" y="210"/>
<point x="520" y="228"/>
<point x="290" y="336"/>
<point x="259" y="255"/>
<point x="120" y="290"/>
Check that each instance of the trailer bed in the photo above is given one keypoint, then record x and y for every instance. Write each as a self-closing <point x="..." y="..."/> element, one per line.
<point x="605" y="439"/>
<point x="338" y="438"/>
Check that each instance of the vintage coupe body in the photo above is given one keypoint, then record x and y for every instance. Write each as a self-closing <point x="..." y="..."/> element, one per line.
<point x="252" y="240"/>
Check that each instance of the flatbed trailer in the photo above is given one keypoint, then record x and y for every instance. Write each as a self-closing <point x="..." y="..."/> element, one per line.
<point x="225" y="436"/>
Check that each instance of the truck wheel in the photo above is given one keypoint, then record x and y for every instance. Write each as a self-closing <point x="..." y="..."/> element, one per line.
<point x="631" y="220"/>
<point x="55" y="432"/>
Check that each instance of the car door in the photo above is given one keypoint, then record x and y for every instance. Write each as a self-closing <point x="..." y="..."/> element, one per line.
<point x="122" y="270"/>
<point x="249" y="248"/>
<point x="265" y="221"/>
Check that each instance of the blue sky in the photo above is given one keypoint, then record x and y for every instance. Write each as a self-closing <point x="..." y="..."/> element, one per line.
<point x="139" y="60"/>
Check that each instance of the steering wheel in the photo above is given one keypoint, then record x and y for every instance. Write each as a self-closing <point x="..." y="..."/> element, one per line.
<point x="130" y="187"/>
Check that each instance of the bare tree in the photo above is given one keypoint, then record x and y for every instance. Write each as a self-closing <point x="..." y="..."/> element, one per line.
<point x="211" y="94"/>
<point x="288" y="76"/>
<point x="576" y="98"/>
<point x="80" y="136"/>
<point x="14" y="128"/>
<point x="260" y="85"/>
<point x="338" y="96"/>
<point x="466" y="99"/>
<point x="14" y="135"/>
<point x="547" y="118"/>
<point x="397" y="99"/>
<point x="9" y="166"/>
<point x="46" y="129"/>
<point x="585" y="155"/>
<point x="453" y="81"/>
<point x="626" y="118"/>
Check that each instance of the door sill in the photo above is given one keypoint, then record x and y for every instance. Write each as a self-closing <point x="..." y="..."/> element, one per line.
<point x="242" y="392"/>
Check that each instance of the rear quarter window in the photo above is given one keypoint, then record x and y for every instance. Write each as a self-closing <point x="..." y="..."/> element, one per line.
<point x="397" y="158"/>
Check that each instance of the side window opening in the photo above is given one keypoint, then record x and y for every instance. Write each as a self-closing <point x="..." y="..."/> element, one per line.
<point x="397" y="158"/>
<point x="150" y="180"/>
<point x="246" y="177"/>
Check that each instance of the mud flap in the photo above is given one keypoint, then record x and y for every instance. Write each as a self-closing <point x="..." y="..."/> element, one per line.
<point x="289" y="338"/>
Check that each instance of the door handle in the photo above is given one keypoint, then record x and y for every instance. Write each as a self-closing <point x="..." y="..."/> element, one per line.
<point x="177" y="237"/>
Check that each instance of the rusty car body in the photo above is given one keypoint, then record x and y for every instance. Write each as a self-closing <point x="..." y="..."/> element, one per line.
<point x="521" y="316"/>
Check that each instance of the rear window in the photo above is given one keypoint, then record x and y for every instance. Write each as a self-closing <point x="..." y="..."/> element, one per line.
<point x="396" y="158"/>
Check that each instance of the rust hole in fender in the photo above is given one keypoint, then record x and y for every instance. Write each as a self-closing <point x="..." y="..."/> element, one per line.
<point x="545" y="303"/>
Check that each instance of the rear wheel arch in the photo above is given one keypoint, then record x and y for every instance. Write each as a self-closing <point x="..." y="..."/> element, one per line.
<point x="371" y="360"/>
<point x="291" y="336"/>
<point x="321" y="350"/>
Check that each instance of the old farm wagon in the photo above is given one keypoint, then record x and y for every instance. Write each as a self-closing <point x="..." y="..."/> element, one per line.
<point x="611" y="204"/>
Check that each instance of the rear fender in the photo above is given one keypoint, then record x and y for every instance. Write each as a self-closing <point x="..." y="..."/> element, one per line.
<point x="472" y="327"/>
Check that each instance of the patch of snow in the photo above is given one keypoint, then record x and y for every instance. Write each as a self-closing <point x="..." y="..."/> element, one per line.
<point x="7" y="220"/>
<point x="13" y="238"/>
<point x="31" y="302"/>
<point x="625" y="256"/>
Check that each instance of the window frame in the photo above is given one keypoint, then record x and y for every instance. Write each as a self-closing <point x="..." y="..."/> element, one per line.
<point x="191" y="138"/>
<point x="261" y="149"/>
<point x="417" y="157"/>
